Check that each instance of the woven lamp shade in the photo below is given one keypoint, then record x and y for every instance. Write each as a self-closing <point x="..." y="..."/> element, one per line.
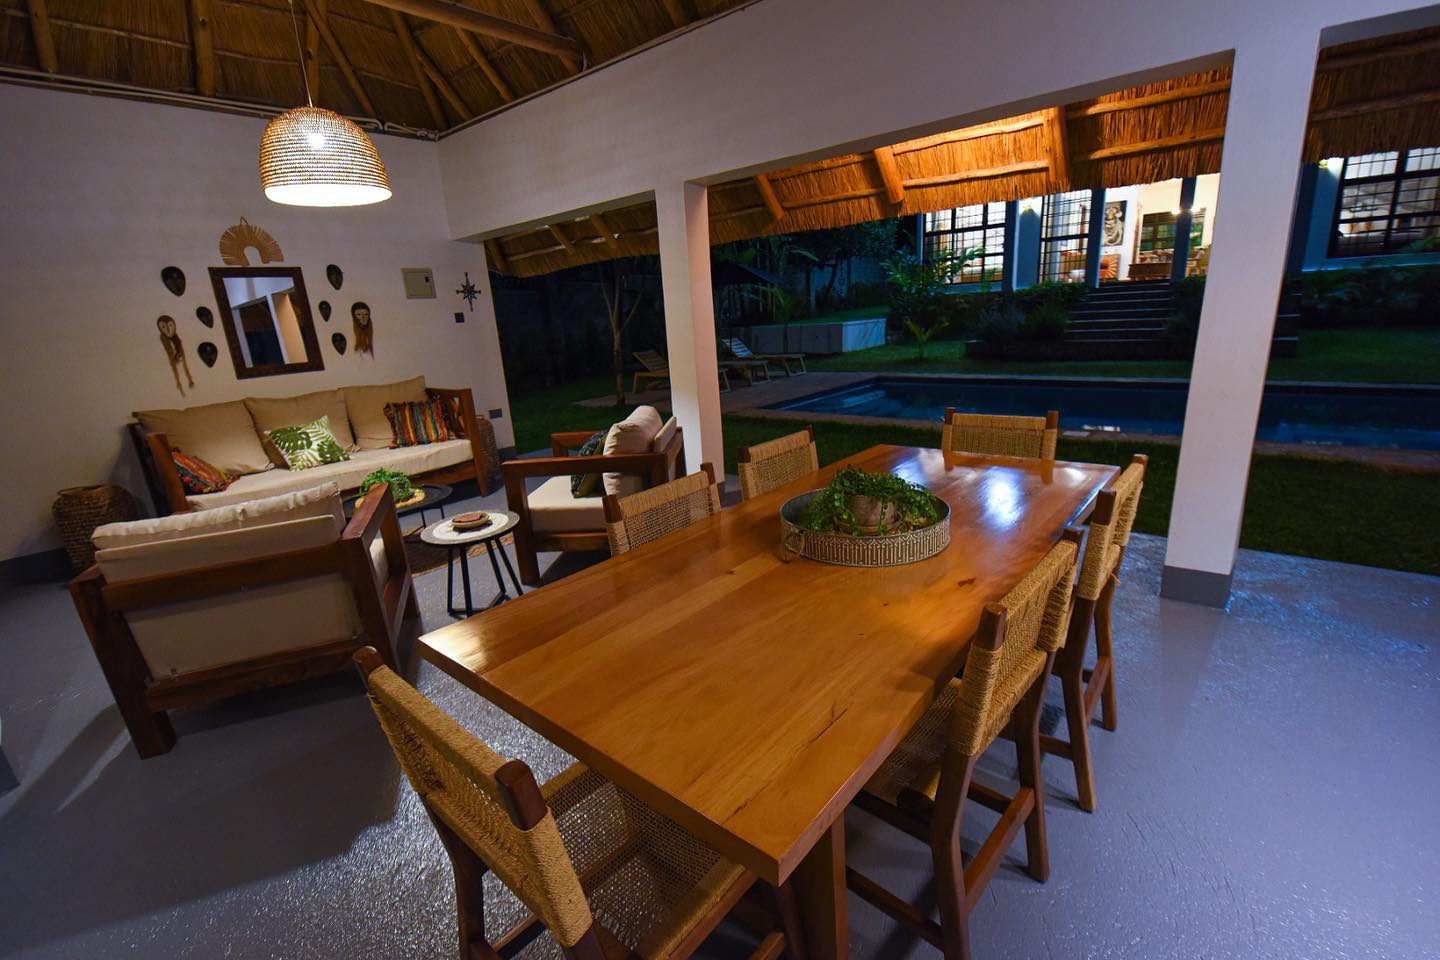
<point x="311" y="157"/>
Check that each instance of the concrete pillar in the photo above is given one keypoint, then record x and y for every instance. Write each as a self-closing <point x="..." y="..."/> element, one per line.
<point x="1260" y="166"/>
<point x="1095" y="238"/>
<point x="1026" y="251"/>
<point x="682" y="215"/>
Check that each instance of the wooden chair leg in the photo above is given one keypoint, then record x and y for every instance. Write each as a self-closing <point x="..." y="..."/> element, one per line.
<point x="788" y="907"/>
<point x="526" y="559"/>
<point x="469" y="872"/>
<point x="1072" y="684"/>
<point x="1104" y="643"/>
<point x="950" y="891"/>
<point x="1027" y="749"/>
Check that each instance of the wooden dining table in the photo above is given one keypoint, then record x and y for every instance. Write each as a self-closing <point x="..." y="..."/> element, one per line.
<point x="748" y="695"/>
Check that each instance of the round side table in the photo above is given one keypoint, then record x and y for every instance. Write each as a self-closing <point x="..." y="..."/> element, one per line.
<point x="444" y="534"/>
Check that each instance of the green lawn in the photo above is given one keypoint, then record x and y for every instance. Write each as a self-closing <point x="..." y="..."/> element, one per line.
<point x="1333" y="510"/>
<point x="1377" y="355"/>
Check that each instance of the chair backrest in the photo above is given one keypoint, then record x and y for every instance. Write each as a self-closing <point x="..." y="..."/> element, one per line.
<point x="492" y="805"/>
<point x="1001" y="435"/>
<point x="1110" y="527"/>
<point x="650" y="514"/>
<point x="1017" y="636"/>
<point x="739" y="348"/>
<point x="775" y="463"/>
<point x="652" y="361"/>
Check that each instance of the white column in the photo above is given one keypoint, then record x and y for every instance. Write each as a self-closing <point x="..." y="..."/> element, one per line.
<point x="1259" y="172"/>
<point x="682" y="214"/>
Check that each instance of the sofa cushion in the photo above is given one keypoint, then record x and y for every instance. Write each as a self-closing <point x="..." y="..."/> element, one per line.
<point x="588" y="484"/>
<point x="634" y="434"/>
<point x="553" y="509"/>
<point x="198" y="476"/>
<point x="302" y="504"/>
<point x="271" y="413"/>
<point x="413" y="424"/>
<point x="221" y="434"/>
<point x="346" y="475"/>
<point x="662" y="440"/>
<point x="366" y="407"/>
<point x="307" y="445"/>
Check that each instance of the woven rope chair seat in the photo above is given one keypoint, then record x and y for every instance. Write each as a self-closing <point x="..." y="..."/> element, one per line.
<point x="651" y="514"/>
<point x="648" y="881"/>
<point x="915" y="762"/>
<point x="776" y="462"/>
<point x="1001" y="436"/>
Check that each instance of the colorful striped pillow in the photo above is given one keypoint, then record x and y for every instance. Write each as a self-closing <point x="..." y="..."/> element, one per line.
<point x="413" y="424"/>
<point x="197" y="476"/>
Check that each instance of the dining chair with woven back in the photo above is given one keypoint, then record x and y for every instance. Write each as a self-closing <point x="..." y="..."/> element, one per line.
<point x="922" y="787"/>
<point x="774" y="463"/>
<point x="601" y="874"/>
<point x="639" y="518"/>
<point x="1004" y="436"/>
<point x="1110" y="525"/>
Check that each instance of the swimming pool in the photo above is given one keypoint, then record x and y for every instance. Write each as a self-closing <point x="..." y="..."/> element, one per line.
<point x="1405" y="418"/>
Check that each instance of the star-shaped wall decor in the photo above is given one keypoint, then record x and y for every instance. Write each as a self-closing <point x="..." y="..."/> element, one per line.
<point x="468" y="291"/>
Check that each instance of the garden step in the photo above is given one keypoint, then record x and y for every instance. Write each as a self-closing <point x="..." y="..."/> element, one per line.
<point x="1120" y="313"/>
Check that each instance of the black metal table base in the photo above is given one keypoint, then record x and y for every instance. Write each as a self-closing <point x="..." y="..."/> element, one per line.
<point x="499" y="598"/>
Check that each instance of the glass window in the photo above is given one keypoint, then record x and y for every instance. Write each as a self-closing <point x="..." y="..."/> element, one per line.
<point x="1387" y="203"/>
<point x="1065" y="235"/>
<point x="964" y="228"/>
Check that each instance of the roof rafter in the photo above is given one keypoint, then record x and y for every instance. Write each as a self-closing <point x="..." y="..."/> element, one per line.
<point x="542" y="17"/>
<point x="1059" y="146"/>
<point x="44" y="39"/>
<point x="202" y="47"/>
<point x="767" y="194"/>
<point x="598" y="220"/>
<point x="338" y="53"/>
<point x="312" y="52"/>
<point x="492" y="73"/>
<point x="890" y="175"/>
<point x="407" y="42"/>
<point x="458" y="15"/>
<point x="678" y="14"/>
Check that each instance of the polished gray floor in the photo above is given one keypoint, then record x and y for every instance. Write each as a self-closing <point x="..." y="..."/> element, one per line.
<point x="1272" y="791"/>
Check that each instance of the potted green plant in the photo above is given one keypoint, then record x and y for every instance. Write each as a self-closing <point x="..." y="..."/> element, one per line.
<point x="401" y="488"/>
<point x="863" y="504"/>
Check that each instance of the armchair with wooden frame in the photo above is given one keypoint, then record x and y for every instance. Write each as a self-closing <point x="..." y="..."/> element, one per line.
<point x="195" y="608"/>
<point x="583" y="526"/>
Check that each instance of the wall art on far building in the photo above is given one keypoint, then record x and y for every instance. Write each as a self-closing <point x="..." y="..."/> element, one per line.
<point x="205" y="316"/>
<point x="325" y="310"/>
<point x="174" y="351"/>
<point x="335" y="275"/>
<point x="208" y="353"/>
<point x="337" y="339"/>
<point x="1114" y="229"/>
<point x="174" y="280"/>
<point x="364" y="327"/>
<point x="243" y="235"/>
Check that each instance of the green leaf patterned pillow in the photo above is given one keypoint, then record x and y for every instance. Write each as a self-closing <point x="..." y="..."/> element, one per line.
<point x="308" y="445"/>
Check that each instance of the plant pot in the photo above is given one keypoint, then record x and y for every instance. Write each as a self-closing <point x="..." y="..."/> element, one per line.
<point x="873" y="516"/>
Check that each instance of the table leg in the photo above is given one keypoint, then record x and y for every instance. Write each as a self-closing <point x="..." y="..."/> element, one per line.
<point x="819" y="884"/>
<point x="465" y="573"/>
<point x="501" y="596"/>
<point x="450" y="579"/>
<point x="513" y="579"/>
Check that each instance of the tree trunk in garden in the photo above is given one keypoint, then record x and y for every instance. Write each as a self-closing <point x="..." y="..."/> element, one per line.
<point x="618" y="320"/>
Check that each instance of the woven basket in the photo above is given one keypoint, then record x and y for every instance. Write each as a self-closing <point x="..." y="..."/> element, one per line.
<point x="888" y="550"/>
<point x="79" y="510"/>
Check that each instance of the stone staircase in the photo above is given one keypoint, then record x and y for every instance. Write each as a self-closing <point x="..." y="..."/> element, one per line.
<point x="1127" y="318"/>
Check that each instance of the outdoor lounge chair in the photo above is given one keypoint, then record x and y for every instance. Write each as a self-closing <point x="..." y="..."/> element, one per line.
<point x="657" y="369"/>
<point x="741" y="351"/>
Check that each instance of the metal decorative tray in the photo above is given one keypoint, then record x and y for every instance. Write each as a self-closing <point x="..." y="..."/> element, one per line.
<point x="884" y="550"/>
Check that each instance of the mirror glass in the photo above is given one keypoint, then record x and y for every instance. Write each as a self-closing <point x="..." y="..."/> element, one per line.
<point x="266" y="314"/>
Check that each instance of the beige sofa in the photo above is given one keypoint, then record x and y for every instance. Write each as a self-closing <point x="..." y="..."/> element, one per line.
<point x="210" y="603"/>
<point x="231" y="437"/>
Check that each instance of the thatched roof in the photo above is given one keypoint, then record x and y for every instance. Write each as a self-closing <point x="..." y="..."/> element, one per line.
<point x="406" y="64"/>
<point x="1372" y="95"/>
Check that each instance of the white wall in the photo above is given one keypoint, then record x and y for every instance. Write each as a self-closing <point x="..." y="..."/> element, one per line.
<point x="101" y="194"/>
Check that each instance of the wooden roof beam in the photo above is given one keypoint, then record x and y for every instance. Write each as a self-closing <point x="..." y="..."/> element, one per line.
<point x="1346" y="110"/>
<point x="600" y="224"/>
<point x="559" y="235"/>
<point x="1151" y="99"/>
<point x="767" y="195"/>
<point x="1159" y="143"/>
<point x="890" y="175"/>
<point x="468" y="18"/>
<point x="337" y="52"/>
<point x="412" y="53"/>
<point x="451" y="95"/>
<point x="1426" y="45"/>
<point x="1059" y="146"/>
<point x="492" y="74"/>
<point x="44" y="39"/>
<point x="547" y="23"/>
<point x="496" y="256"/>
<point x="678" y="14"/>
<point x="312" y="52"/>
<point x="202" y="47"/>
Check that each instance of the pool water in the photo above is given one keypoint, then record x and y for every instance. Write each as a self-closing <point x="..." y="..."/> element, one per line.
<point x="1355" y="417"/>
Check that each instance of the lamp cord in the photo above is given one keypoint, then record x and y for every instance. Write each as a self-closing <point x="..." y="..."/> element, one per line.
<point x="300" y="48"/>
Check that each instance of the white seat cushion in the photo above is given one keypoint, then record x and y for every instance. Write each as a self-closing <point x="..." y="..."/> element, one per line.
<point x="553" y="509"/>
<point x="346" y="474"/>
<point x="322" y="500"/>
<point x="635" y="434"/>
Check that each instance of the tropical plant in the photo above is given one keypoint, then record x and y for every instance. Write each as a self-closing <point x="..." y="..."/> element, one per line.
<point x="832" y="509"/>
<point x="401" y="488"/>
<point x="920" y="301"/>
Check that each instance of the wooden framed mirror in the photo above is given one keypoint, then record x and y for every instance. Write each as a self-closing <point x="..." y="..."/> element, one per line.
<point x="266" y="315"/>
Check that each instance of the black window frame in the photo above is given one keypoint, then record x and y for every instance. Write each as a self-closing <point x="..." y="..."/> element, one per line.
<point x="1051" y="261"/>
<point x="991" y="262"/>
<point x="1397" y="179"/>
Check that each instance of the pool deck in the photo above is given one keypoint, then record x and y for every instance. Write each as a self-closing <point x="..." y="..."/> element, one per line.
<point x="753" y="401"/>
